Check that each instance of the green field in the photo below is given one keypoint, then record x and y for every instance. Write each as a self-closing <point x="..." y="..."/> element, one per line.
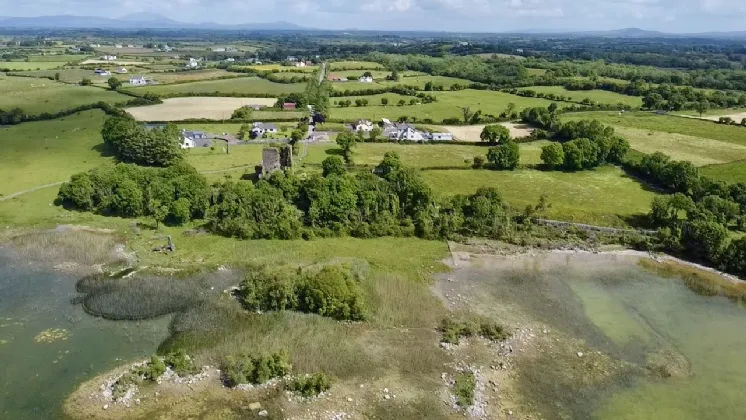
<point x="698" y="150"/>
<point x="44" y="152"/>
<point x="66" y="58"/>
<point x="240" y="85"/>
<point x="449" y="105"/>
<point x="668" y="124"/>
<point x="728" y="172"/>
<point x="354" y="65"/>
<point x="35" y="96"/>
<point x="287" y="75"/>
<point x="596" y="96"/>
<point x="281" y="68"/>
<point x="604" y="196"/>
<point x="34" y="65"/>
<point x="421" y="81"/>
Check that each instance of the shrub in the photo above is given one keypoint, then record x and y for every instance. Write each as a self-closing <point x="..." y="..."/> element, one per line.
<point x="153" y="369"/>
<point x="248" y="369"/>
<point x="463" y="388"/>
<point x="478" y="162"/>
<point x="311" y="385"/>
<point x="181" y="363"/>
<point x="123" y="384"/>
<point x="493" y="332"/>
<point x="452" y="330"/>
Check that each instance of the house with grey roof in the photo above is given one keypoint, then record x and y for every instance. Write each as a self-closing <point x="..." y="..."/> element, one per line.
<point x="259" y="129"/>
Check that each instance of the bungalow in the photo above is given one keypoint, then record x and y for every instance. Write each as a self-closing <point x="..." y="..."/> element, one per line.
<point x="221" y="49"/>
<point x="260" y="129"/>
<point x="74" y="50"/>
<point x="95" y="45"/>
<point x="121" y="70"/>
<point x="230" y="60"/>
<point x="441" y="137"/>
<point x="403" y="132"/>
<point x="194" y="139"/>
<point x="117" y="45"/>
<point x="366" y="79"/>
<point x="191" y="64"/>
<point x="102" y="72"/>
<point x="292" y="58"/>
<point x="130" y="45"/>
<point x="186" y="143"/>
<point x="194" y="135"/>
<point x="288" y="106"/>
<point x="109" y="57"/>
<point x="300" y="64"/>
<point x="138" y="81"/>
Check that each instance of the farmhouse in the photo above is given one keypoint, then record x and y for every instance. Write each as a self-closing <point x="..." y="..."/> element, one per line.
<point x="292" y="59"/>
<point x="187" y="143"/>
<point x="194" y="139"/>
<point x="366" y="79"/>
<point x="300" y="64"/>
<point x="130" y="45"/>
<point x="362" y="125"/>
<point x="117" y="45"/>
<point x="403" y="131"/>
<point x="109" y="57"/>
<point x="191" y="64"/>
<point x="260" y="129"/>
<point x="138" y="80"/>
<point x="230" y="60"/>
<point x="121" y="70"/>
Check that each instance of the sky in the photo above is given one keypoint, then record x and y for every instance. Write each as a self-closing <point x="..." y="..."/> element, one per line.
<point x="678" y="16"/>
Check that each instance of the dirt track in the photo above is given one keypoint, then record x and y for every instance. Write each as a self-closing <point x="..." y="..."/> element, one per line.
<point x="472" y="132"/>
<point x="176" y="109"/>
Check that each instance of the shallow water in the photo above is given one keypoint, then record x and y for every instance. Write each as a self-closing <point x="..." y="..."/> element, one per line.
<point x="619" y="308"/>
<point x="48" y="345"/>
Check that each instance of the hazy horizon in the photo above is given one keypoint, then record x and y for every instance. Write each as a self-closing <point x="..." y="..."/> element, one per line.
<point x="682" y="16"/>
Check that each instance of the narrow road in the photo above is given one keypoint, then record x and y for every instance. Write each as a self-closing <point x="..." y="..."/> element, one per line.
<point x="56" y="184"/>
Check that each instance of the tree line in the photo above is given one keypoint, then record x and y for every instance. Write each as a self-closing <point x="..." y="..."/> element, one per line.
<point x="136" y="143"/>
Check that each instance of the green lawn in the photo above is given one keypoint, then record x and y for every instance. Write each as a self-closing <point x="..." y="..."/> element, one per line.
<point x="596" y="96"/>
<point x="240" y="85"/>
<point x="728" y="172"/>
<point x="35" y="96"/>
<point x="668" y="124"/>
<point x="449" y="105"/>
<point x="605" y="196"/>
<point x="33" y="65"/>
<point x="44" y="152"/>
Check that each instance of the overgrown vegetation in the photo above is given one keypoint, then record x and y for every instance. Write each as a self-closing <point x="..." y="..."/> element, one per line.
<point x="452" y="330"/>
<point x="254" y="369"/>
<point x="136" y="143"/>
<point x="310" y="385"/>
<point x="464" y="388"/>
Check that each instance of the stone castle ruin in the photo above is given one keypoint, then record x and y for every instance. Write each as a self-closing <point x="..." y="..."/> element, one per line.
<point x="274" y="159"/>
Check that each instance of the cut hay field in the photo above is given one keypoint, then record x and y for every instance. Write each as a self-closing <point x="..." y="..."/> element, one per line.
<point x="605" y="196"/>
<point x="728" y="172"/>
<point x="214" y="108"/>
<point x="38" y="153"/>
<point x="239" y="85"/>
<point x="472" y="132"/>
<point x="36" y="96"/>
<point x="34" y="65"/>
<point x="449" y="105"/>
<point x="354" y="65"/>
<point x="668" y="124"/>
<point x="595" y="96"/>
<point x="185" y="76"/>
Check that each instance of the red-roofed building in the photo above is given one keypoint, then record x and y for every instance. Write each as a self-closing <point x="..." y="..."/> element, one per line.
<point x="288" y="106"/>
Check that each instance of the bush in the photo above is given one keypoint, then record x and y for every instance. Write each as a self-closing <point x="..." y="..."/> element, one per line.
<point x="181" y="363"/>
<point x="463" y="388"/>
<point x="248" y="369"/>
<point x="311" y="385"/>
<point x="153" y="369"/>
<point x="452" y="330"/>
<point x="123" y="384"/>
<point x="478" y="162"/>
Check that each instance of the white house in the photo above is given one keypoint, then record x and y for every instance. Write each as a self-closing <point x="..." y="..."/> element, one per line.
<point x="130" y="45"/>
<point x="403" y="132"/>
<point x="138" y="81"/>
<point x="230" y="60"/>
<point x="259" y="129"/>
<point x="362" y="125"/>
<point x="300" y="64"/>
<point x="187" y="143"/>
<point x="366" y="79"/>
<point x="441" y="136"/>
<point x="117" y="45"/>
<point x="102" y="72"/>
<point x="191" y="64"/>
<point x="121" y="70"/>
<point x="221" y="49"/>
<point x="291" y="58"/>
<point x="109" y="57"/>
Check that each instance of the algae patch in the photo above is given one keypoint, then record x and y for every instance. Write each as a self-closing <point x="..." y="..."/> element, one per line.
<point x="51" y="335"/>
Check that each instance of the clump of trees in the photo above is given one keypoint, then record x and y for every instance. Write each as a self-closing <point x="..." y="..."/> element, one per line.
<point x="495" y="133"/>
<point x="331" y="291"/>
<point x="243" y="113"/>
<point x="254" y="369"/>
<point x="505" y="156"/>
<point x="128" y="190"/>
<point x="135" y="143"/>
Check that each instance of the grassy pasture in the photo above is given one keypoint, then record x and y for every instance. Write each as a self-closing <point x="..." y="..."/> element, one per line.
<point x="241" y="85"/>
<point x="354" y="65"/>
<point x="728" y="172"/>
<point x="596" y="96"/>
<point x="668" y="124"/>
<point x="57" y="58"/>
<point x="34" y="65"/>
<point x="74" y="75"/>
<point x="421" y="81"/>
<point x="281" y="68"/>
<point x="211" y="107"/>
<point x="605" y="196"/>
<point x="35" y="96"/>
<point x="449" y="105"/>
<point x="378" y="75"/>
<point x="44" y="152"/>
<point x="698" y="150"/>
<point x="287" y="75"/>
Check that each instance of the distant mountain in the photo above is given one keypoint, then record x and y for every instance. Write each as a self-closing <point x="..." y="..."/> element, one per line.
<point x="132" y="21"/>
